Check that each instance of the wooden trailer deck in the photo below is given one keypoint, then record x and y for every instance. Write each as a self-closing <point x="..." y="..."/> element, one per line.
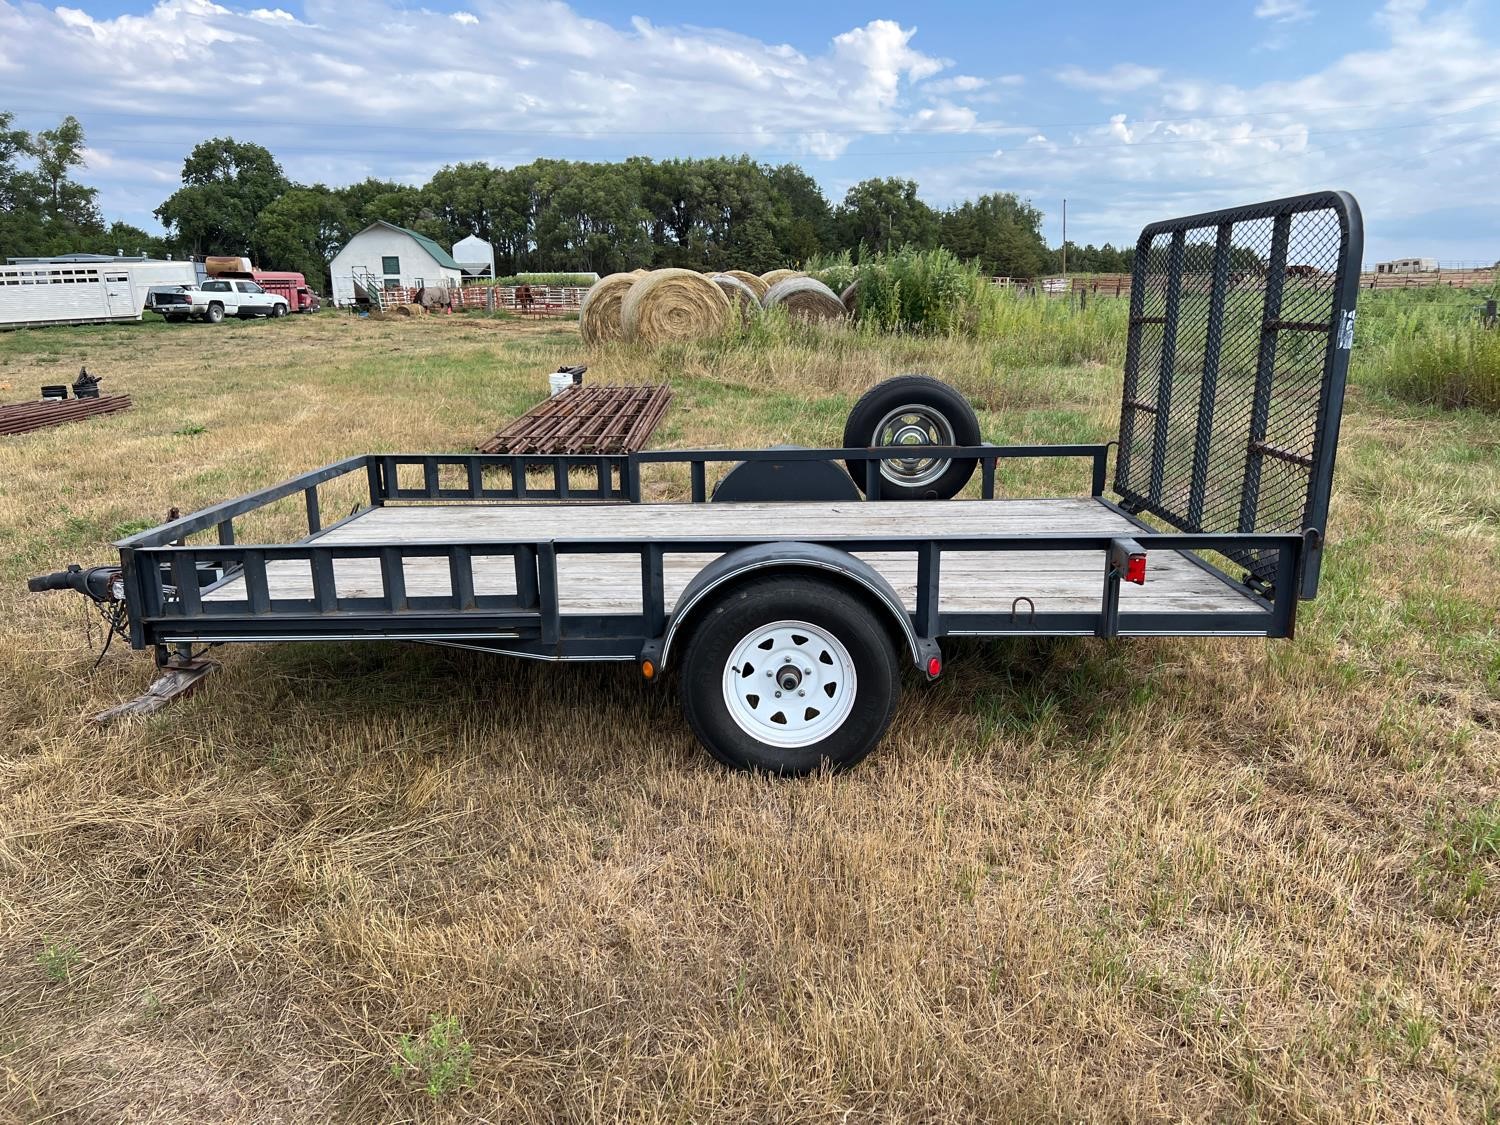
<point x="1055" y="581"/>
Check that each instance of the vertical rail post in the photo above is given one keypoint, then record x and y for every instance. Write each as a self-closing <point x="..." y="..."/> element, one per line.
<point x="461" y="578"/>
<point x="987" y="478"/>
<point x="526" y="585"/>
<point x="1265" y="371"/>
<point x="653" y="590"/>
<point x="1101" y="472"/>
<point x="1284" y="593"/>
<point x="546" y="581"/>
<point x="185" y="578"/>
<point x="372" y="474"/>
<point x="393" y="579"/>
<point x="1109" y="612"/>
<point x="130" y="577"/>
<point x="314" y="516"/>
<point x="872" y="479"/>
<point x="1208" y="388"/>
<point x="929" y="566"/>
<point x="700" y="481"/>
<point x="226" y="533"/>
<point x="325" y="586"/>
<point x="257" y="592"/>
<point x="633" y="478"/>
<point x="1167" y="369"/>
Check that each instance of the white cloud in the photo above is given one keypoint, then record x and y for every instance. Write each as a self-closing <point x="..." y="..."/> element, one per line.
<point x="958" y="84"/>
<point x="1283" y="11"/>
<point x="1121" y="78"/>
<point x="1408" y="125"/>
<point x="516" y="79"/>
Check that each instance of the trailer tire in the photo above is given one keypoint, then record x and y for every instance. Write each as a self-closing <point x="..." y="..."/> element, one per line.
<point x="215" y="313"/>
<point x="793" y="634"/>
<point x="923" y="411"/>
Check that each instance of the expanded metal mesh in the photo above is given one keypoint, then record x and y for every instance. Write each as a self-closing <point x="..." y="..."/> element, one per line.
<point x="1239" y="332"/>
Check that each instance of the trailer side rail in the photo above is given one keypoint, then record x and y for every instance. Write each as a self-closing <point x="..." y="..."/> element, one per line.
<point x="171" y="608"/>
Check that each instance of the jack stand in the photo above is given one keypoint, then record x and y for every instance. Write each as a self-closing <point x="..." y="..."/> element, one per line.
<point x="180" y="676"/>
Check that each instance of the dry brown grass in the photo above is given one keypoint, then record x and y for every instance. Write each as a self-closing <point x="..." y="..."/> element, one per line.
<point x="1144" y="880"/>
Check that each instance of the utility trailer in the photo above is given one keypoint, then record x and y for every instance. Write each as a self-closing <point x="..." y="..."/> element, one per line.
<point x="789" y="595"/>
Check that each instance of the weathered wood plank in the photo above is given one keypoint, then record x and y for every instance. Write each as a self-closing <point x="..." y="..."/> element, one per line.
<point x="977" y="581"/>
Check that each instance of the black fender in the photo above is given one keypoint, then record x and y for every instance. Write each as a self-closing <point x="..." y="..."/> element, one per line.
<point x="764" y="558"/>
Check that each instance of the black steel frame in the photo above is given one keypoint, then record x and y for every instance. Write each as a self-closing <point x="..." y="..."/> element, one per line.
<point x="165" y="576"/>
<point x="1336" y="328"/>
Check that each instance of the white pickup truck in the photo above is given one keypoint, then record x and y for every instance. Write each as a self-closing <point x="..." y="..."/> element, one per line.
<point x="214" y="299"/>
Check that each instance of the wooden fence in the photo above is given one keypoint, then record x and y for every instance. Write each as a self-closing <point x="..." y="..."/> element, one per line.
<point x="546" y="300"/>
<point x="1118" y="284"/>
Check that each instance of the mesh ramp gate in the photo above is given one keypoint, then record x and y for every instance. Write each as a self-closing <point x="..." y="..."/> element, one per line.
<point x="1240" y="327"/>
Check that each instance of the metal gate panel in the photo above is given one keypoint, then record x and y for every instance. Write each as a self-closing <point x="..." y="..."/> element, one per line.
<point x="1240" y="327"/>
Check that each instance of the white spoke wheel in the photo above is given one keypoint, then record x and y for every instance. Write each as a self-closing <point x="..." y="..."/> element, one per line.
<point x="788" y="674"/>
<point x="913" y="412"/>
<point x="789" y="684"/>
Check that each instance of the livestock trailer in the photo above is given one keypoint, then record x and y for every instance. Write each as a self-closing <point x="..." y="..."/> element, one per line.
<point x="789" y="595"/>
<point x="38" y="293"/>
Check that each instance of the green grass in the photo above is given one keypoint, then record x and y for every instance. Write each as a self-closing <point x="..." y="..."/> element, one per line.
<point x="439" y="1061"/>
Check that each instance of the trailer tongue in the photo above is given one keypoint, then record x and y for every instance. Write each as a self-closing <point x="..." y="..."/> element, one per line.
<point x="789" y="619"/>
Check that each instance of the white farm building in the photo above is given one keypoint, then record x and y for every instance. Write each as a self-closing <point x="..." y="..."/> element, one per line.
<point x="475" y="256"/>
<point x="386" y="256"/>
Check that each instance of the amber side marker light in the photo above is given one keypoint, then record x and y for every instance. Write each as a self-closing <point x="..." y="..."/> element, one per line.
<point x="648" y="669"/>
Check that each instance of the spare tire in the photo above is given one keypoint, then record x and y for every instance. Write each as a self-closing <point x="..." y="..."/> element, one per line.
<point x="913" y="410"/>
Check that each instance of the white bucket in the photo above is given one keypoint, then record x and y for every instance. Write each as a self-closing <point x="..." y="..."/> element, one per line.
<point x="558" y="382"/>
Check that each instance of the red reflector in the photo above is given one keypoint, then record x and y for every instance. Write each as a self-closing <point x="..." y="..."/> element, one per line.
<point x="934" y="666"/>
<point x="1135" y="569"/>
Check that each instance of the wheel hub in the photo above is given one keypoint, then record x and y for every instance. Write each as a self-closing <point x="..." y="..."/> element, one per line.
<point x="789" y="684"/>
<point x="914" y="425"/>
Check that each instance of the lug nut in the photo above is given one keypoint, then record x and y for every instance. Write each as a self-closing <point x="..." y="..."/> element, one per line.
<point x="778" y="695"/>
<point x="801" y="692"/>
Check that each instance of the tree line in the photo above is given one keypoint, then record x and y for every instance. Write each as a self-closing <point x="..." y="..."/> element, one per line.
<point x="545" y="216"/>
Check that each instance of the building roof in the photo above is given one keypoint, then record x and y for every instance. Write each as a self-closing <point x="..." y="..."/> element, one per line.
<point x="439" y="255"/>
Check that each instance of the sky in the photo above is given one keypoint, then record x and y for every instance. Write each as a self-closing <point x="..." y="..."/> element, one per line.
<point x="1131" y="112"/>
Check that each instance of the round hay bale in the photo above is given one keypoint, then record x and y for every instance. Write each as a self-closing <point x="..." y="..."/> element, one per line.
<point x="806" y="298"/>
<point x="410" y="309"/>
<point x="779" y="275"/>
<point x="753" y="280"/>
<point x="849" y="296"/>
<point x="599" y="314"/>
<point x="673" y="304"/>
<point x="639" y="273"/>
<point x="740" y="294"/>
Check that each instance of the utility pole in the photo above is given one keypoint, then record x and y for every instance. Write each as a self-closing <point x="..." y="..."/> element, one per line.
<point x="1065" y="239"/>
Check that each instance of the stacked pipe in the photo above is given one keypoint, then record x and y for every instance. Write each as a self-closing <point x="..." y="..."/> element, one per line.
<point x="667" y="305"/>
<point x="23" y="417"/>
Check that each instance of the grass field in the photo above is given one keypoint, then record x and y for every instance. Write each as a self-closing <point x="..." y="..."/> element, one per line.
<point x="1143" y="880"/>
